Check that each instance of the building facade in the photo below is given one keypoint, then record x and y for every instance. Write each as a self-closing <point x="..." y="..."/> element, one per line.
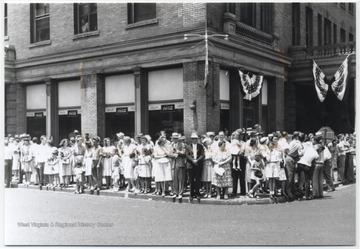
<point x="110" y="67"/>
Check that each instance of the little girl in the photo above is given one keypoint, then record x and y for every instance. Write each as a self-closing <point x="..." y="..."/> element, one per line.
<point x="26" y="160"/>
<point x="53" y="163"/>
<point x="257" y="167"/>
<point x="116" y="162"/>
<point x="235" y="149"/>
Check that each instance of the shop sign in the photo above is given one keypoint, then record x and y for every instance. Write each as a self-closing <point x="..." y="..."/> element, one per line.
<point x="72" y="113"/>
<point x="39" y="114"/>
<point x="121" y="111"/>
<point x="167" y="108"/>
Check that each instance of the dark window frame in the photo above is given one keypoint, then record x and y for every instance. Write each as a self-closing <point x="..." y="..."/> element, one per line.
<point x="139" y="12"/>
<point x="309" y="29"/>
<point x="351" y="37"/>
<point x="248" y="14"/>
<point x="36" y="19"/>
<point x="327" y="31"/>
<point x="5" y="20"/>
<point x="267" y="17"/>
<point x="351" y="8"/>
<point x="295" y="24"/>
<point x="90" y="18"/>
<point x="320" y="27"/>
<point x="335" y="33"/>
<point x="342" y="35"/>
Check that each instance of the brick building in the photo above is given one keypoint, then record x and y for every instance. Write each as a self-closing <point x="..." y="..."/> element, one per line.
<point x="109" y="67"/>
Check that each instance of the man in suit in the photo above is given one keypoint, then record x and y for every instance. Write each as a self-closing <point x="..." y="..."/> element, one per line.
<point x="195" y="156"/>
<point x="178" y="162"/>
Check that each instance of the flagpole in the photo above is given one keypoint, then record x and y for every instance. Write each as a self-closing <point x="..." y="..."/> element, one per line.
<point x="206" y="39"/>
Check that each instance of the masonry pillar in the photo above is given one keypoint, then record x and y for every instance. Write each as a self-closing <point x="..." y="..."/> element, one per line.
<point x="141" y="101"/>
<point x="206" y="114"/>
<point x="52" y="106"/>
<point x="93" y="105"/>
<point x="276" y="104"/>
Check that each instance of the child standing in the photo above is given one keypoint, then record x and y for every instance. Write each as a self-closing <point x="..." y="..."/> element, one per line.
<point x="257" y="168"/>
<point x="53" y="173"/>
<point x="116" y="161"/>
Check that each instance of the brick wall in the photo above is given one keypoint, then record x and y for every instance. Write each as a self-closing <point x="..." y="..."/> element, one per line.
<point x="93" y="105"/>
<point x="112" y="26"/>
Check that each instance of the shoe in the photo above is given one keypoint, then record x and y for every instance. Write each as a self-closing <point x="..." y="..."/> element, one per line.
<point x="163" y="195"/>
<point x="180" y="197"/>
<point x="309" y="198"/>
<point x="209" y="195"/>
<point x="76" y="192"/>
<point x="250" y="195"/>
<point x="226" y="197"/>
<point x="155" y="192"/>
<point x="218" y="197"/>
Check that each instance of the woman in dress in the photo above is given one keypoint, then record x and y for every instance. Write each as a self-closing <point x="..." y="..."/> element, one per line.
<point x="272" y="169"/>
<point x="53" y="166"/>
<point x="65" y="156"/>
<point x="88" y="160"/>
<point x="207" y="173"/>
<point x="163" y="171"/>
<point x="128" y="153"/>
<point x="222" y="168"/>
<point x="107" y="152"/>
<point x="144" y="153"/>
<point x="26" y="158"/>
<point x="250" y="151"/>
<point x="16" y="159"/>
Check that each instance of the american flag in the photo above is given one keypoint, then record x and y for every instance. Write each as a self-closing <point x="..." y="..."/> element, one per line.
<point x="319" y="80"/>
<point x="251" y="85"/>
<point x="339" y="84"/>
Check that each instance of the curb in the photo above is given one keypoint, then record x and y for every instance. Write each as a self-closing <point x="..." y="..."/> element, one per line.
<point x="240" y="200"/>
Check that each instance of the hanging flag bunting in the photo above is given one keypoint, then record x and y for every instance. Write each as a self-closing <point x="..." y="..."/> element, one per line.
<point x="319" y="80"/>
<point x="251" y="85"/>
<point x="339" y="84"/>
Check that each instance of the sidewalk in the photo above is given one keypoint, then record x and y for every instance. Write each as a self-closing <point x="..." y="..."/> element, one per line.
<point x="239" y="200"/>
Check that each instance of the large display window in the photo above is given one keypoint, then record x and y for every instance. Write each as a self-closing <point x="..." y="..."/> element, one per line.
<point x="35" y="110"/>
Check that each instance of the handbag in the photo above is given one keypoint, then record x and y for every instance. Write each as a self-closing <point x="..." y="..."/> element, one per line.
<point x="219" y="171"/>
<point x="258" y="174"/>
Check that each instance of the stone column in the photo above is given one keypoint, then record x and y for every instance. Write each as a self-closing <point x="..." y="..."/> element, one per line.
<point x="141" y="101"/>
<point x="276" y="104"/>
<point x="52" y="107"/>
<point x="206" y="115"/>
<point x="93" y="105"/>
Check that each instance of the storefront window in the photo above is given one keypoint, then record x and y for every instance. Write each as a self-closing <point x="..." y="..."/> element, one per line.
<point x="120" y="119"/>
<point x="168" y="120"/>
<point x="36" y="124"/>
<point x="68" y="123"/>
<point x="35" y="110"/>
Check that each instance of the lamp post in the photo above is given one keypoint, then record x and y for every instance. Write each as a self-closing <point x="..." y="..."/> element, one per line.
<point x="206" y="38"/>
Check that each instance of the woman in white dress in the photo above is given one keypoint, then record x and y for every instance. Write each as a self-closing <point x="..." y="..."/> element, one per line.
<point x="128" y="153"/>
<point x="65" y="156"/>
<point x="26" y="158"/>
<point x="144" y="153"/>
<point x="163" y="170"/>
<point x="107" y="152"/>
<point x="272" y="169"/>
<point x="207" y="172"/>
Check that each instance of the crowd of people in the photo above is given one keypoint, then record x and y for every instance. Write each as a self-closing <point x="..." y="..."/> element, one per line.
<point x="292" y="165"/>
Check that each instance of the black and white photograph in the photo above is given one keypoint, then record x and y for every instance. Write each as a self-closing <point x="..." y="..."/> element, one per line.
<point x="179" y="124"/>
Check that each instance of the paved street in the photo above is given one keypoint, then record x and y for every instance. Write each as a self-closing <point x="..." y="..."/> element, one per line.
<point x="104" y="220"/>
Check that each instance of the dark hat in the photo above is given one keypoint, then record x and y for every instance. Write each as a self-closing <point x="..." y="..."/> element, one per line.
<point x="296" y="134"/>
<point x="96" y="139"/>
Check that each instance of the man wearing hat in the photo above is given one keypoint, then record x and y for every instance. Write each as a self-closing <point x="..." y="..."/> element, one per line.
<point x="195" y="156"/>
<point x="295" y="152"/>
<point x="96" y="170"/>
<point x="178" y="166"/>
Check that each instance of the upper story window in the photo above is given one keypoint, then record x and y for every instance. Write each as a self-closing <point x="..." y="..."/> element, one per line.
<point x="266" y="17"/>
<point x="309" y="27"/>
<point x="248" y="14"/>
<point x="231" y="8"/>
<point x="295" y="24"/>
<point x="327" y="31"/>
<point x="351" y="37"/>
<point x="342" y="35"/>
<point x="39" y="22"/>
<point x="138" y="12"/>
<point x="5" y="21"/>
<point x="320" y="27"/>
<point x="85" y="17"/>
<point x="351" y="8"/>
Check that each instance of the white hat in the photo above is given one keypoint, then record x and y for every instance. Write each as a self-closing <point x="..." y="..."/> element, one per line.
<point x="174" y="135"/>
<point x="263" y="140"/>
<point x="120" y="134"/>
<point x="194" y="135"/>
<point x="318" y="133"/>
